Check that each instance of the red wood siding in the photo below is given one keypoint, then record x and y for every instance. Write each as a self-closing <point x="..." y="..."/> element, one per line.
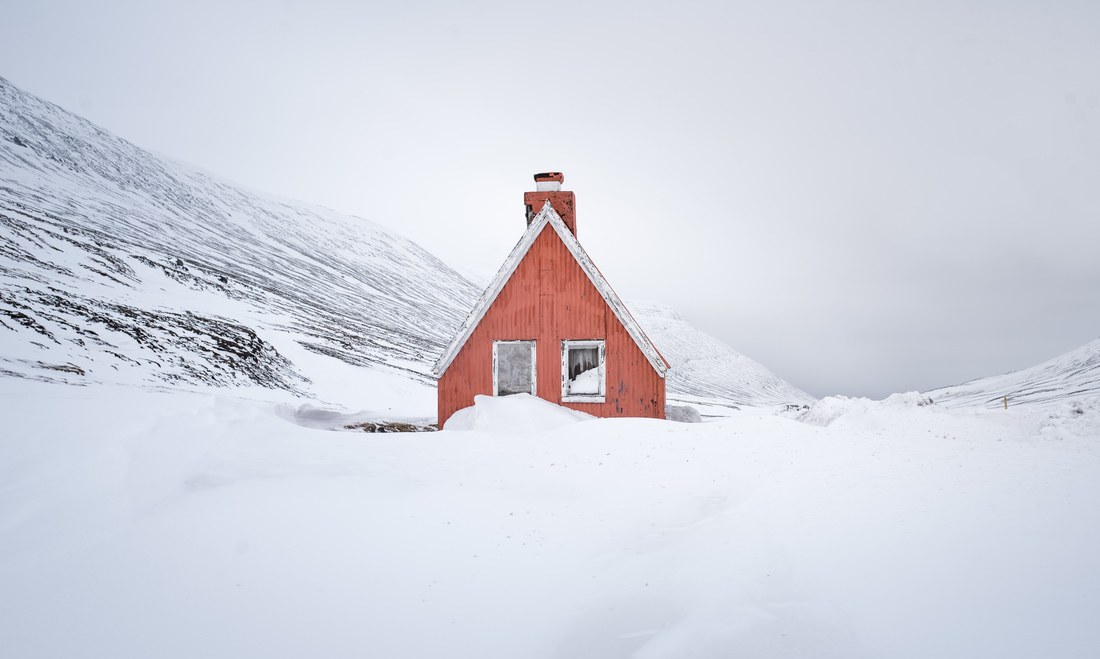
<point x="550" y="299"/>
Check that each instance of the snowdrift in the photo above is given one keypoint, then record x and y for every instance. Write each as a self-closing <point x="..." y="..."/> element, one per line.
<point x="518" y="413"/>
<point x="831" y="408"/>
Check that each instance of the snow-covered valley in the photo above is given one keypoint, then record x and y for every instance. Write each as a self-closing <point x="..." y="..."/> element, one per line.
<point x="180" y="362"/>
<point x="120" y="266"/>
<point x="137" y="523"/>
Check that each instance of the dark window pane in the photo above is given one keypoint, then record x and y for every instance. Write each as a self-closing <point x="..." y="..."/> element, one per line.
<point x="514" y="368"/>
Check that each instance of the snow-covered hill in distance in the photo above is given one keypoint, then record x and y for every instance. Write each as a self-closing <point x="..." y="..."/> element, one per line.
<point x="1074" y="375"/>
<point x="120" y="266"/>
<point x="708" y="370"/>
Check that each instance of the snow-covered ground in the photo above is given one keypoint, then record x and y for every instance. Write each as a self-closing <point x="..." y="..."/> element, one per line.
<point x="137" y="523"/>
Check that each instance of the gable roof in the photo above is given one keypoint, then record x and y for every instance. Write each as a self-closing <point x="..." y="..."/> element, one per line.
<point x="548" y="216"/>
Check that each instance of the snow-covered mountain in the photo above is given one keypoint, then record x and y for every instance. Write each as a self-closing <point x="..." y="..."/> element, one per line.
<point x="120" y="266"/>
<point x="1076" y="374"/>
<point x="706" y="368"/>
<point x="117" y="265"/>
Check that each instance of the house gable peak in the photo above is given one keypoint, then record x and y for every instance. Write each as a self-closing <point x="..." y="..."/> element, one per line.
<point x="548" y="216"/>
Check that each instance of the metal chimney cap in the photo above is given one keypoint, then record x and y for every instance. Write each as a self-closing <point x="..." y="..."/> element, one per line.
<point x="549" y="181"/>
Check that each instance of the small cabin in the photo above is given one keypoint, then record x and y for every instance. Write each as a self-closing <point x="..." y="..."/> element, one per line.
<point x="550" y="325"/>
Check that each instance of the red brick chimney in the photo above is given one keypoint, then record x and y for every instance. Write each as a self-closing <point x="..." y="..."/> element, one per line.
<point x="548" y="188"/>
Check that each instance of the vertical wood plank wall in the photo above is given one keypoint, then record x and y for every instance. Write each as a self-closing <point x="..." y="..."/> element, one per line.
<point x="549" y="299"/>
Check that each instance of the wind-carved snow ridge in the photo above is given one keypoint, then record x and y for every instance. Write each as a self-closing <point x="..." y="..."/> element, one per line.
<point x="120" y="266"/>
<point x="832" y="408"/>
<point x="1074" y="375"/>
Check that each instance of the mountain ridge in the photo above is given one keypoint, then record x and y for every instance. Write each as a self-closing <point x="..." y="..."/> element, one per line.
<point x="1073" y="374"/>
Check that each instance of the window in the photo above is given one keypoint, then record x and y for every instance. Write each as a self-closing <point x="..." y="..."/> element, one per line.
<point x="583" y="372"/>
<point x="513" y="367"/>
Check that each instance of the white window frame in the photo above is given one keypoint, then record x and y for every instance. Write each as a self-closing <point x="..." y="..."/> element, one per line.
<point x="534" y="365"/>
<point x="566" y="346"/>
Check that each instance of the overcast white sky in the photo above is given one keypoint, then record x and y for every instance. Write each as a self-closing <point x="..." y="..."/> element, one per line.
<point x="867" y="197"/>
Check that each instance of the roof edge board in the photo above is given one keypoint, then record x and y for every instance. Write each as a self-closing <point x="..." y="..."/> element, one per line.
<point x="618" y="307"/>
<point x="491" y="292"/>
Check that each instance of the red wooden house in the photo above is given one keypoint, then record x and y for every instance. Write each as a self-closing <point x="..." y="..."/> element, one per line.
<point x="549" y="324"/>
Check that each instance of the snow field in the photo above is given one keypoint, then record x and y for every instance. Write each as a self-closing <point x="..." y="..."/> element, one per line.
<point x="135" y="523"/>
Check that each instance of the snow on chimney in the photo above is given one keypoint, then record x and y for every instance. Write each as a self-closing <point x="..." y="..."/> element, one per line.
<point x="548" y="188"/>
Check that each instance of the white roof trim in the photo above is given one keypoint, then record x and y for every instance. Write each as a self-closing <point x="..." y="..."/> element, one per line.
<point x="549" y="216"/>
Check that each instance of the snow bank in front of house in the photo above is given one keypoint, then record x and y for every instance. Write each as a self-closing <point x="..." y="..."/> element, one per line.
<point x="517" y="413"/>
